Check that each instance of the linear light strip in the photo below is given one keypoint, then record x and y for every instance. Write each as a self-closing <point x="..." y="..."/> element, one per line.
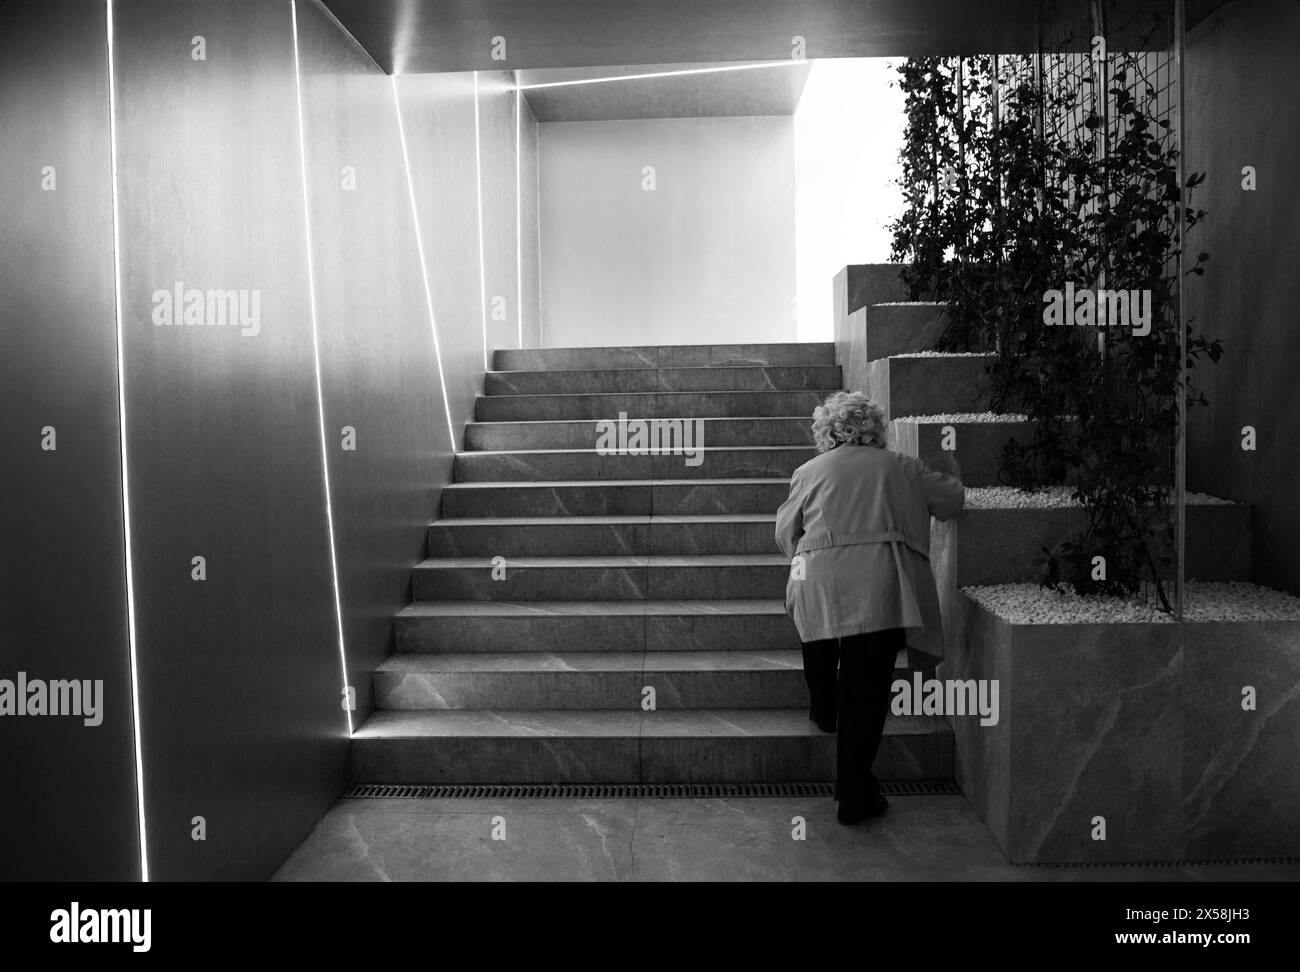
<point x="537" y="188"/>
<point x="315" y="347"/>
<point x="482" y="264"/>
<point x="424" y="267"/>
<point x="662" y="74"/>
<point x="121" y="426"/>
<point x="519" y="219"/>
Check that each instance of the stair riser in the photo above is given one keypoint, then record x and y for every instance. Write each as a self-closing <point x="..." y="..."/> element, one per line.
<point x="689" y="759"/>
<point x="673" y="356"/>
<point x="661" y="379"/>
<point x="542" y="467"/>
<point x="600" y="583"/>
<point x="999" y="546"/>
<point x="590" y="690"/>
<point x="723" y="632"/>
<point x="585" y="434"/>
<point x="688" y="499"/>
<point x="600" y="539"/>
<point x="519" y="408"/>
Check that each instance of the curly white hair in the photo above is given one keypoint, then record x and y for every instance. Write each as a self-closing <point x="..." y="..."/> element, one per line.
<point x="848" y="418"/>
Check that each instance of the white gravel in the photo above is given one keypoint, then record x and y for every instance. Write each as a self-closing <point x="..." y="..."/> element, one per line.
<point x="944" y="354"/>
<point x="1051" y="497"/>
<point x="1206" y="601"/>
<point x="959" y="417"/>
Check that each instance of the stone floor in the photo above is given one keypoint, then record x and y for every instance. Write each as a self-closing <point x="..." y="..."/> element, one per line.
<point x="922" y="838"/>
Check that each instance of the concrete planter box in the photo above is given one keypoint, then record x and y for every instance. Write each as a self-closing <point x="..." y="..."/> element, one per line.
<point x="1138" y="723"/>
<point x="997" y="545"/>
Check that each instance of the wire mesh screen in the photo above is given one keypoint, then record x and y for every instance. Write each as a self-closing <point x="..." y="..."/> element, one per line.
<point x="1105" y="66"/>
<point x="1058" y="173"/>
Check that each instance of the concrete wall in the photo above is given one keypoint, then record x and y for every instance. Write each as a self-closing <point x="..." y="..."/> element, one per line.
<point x="234" y="447"/>
<point x="1242" y="99"/>
<point x="706" y="257"/>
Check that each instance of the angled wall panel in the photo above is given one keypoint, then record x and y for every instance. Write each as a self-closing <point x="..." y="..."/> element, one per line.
<point x="69" y="806"/>
<point x="240" y="673"/>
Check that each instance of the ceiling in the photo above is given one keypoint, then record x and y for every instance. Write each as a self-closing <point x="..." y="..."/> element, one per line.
<point x="422" y="36"/>
<point x="419" y="36"/>
<point x="771" y="88"/>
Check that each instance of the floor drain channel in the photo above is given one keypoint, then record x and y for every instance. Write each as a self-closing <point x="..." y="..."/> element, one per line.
<point x="615" y="791"/>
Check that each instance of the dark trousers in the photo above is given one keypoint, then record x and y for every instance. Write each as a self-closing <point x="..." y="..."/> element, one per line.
<point x="856" y="698"/>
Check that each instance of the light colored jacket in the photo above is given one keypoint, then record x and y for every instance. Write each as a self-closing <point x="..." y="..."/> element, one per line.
<point x="857" y="529"/>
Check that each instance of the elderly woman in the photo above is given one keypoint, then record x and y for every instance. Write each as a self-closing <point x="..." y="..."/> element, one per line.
<point x="857" y="529"/>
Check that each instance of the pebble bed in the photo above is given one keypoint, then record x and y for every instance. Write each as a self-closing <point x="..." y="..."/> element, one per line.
<point x="1206" y="601"/>
<point x="959" y="417"/>
<point x="943" y="354"/>
<point x="1052" y="497"/>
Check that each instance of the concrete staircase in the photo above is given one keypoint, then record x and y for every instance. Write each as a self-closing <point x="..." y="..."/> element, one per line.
<point x="621" y="573"/>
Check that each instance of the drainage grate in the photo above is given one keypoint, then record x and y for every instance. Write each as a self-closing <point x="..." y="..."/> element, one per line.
<point x="615" y="791"/>
<point x="1191" y="862"/>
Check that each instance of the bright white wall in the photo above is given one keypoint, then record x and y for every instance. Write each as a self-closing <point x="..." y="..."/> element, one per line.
<point x="707" y="257"/>
<point x="848" y="132"/>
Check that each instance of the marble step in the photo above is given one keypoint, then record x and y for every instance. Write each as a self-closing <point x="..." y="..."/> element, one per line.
<point x="660" y="578"/>
<point x="928" y="385"/>
<point x="666" y="497"/>
<point x="979" y="444"/>
<point x="997" y="545"/>
<point x="641" y="625"/>
<point x="707" y="462"/>
<point x="737" y="679"/>
<point x="744" y="533"/>
<point x="667" y="356"/>
<point x="629" y="746"/>
<point x="645" y="405"/>
<point x="712" y="378"/>
<point x="585" y="433"/>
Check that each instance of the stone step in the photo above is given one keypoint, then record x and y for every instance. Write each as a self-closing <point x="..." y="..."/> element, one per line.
<point x="585" y="433"/>
<point x="712" y="378"/>
<point x="736" y="678"/>
<point x="743" y="533"/>
<point x="927" y="384"/>
<point x="997" y="544"/>
<point x="629" y="746"/>
<point x="502" y="626"/>
<point x="667" y="497"/>
<point x="646" y="405"/>
<point x="552" y="465"/>
<point x="668" y="356"/>
<point x="979" y="444"/>
<point x="707" y="577"/>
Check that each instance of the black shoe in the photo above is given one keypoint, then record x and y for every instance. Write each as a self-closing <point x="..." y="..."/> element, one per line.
<point x="825" y="725"/>
<point x="852" y="813"/>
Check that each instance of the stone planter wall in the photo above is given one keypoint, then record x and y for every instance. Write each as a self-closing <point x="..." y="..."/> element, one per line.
<point x="1140" y="724"/>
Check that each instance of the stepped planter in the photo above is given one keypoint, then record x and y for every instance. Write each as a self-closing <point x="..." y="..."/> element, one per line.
<point x="874" y="319"/>
<point x="994" y="539"/>
<point x="1125" y="736"/>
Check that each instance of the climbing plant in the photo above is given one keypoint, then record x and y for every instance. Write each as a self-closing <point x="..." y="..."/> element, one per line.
<point x="1017" y="185"/>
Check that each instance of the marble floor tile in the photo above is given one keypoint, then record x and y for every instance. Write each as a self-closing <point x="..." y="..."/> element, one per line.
<point x="921" y="838"/>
